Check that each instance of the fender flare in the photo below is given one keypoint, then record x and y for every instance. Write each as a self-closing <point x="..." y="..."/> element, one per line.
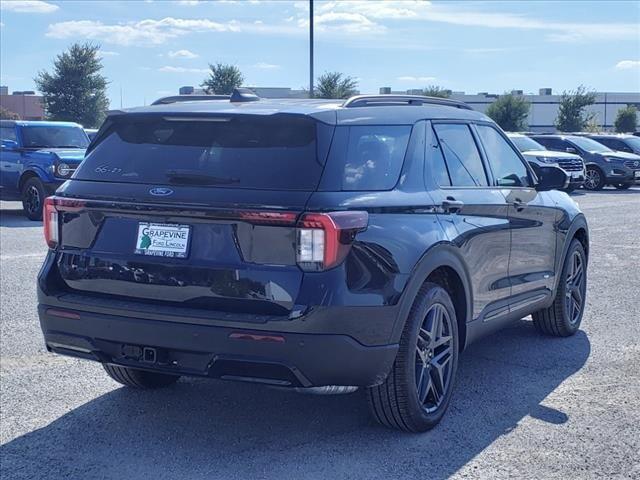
<point x="31" y="171"/>
<point x="577" y="223"/>
<point x="439" y="255"/>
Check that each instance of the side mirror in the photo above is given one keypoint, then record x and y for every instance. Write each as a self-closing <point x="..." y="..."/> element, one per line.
<point x="571" y="150"/>
<point x="551" y="177"/>
<point x="9" y="145"/>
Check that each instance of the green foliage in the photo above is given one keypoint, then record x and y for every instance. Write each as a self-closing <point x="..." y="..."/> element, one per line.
<point x="626" y="119"/>
<point x="571" y="115"/>
<point x="8" y="114"/>
<point x="436" y="91"/>
<point x="510" y="112"/>
<point x="223" y="78"/>
<point x="75" y="91"/>
<point x="335" y="85"/>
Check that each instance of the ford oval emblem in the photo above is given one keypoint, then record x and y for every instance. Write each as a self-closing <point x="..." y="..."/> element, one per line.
<point x="161" y="191"/>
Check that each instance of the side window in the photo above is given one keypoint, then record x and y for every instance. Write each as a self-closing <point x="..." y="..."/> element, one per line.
<point x="374" y="156"/>
<point x="556" y="144"/>
<point x="461" y="155"/>
<point x="614" y="144"/>
<point x="508" y="169"/>
<point x="8" y="133"/>
<point x="435" y="165"/>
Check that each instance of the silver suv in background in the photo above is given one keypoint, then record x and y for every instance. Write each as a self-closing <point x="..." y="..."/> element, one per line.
<point x="537" y="155"/>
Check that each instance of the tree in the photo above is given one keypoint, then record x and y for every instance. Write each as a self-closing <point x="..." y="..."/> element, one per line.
<point x="436" y="91"/>
<point x="335" y="85"/>
<point x="626" y="119"/>
<point x="571" y="115"/>
<point x="510" y="111"/>
<point x="8" y="114"/>
<point x="75" y="91"/>
<point x="223" y="78"/>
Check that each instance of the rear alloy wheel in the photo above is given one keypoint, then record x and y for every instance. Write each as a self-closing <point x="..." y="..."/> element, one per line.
<point x="33" y="195"/>
<point x="564" y="316"/>
<point x="417" y="391"/>
<point x="141" y="379"/>
<point x="622" y="186"/>
<point x="594" y="180"/>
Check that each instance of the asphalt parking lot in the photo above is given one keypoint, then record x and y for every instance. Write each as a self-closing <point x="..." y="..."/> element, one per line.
<point x="524" y="406"/>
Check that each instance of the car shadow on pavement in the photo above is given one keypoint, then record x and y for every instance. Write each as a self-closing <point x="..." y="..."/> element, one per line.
<point x="16" y="219"/>
<point x="214" y="429"/>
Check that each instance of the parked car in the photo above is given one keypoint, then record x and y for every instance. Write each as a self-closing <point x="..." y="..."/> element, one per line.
<point x="603" y="165"/>
<point x="538" y="156"/>
<point x="322" y="245"/>
<point x="91" y="132"/>
<point x="619" y="142"/>
<point x="36" y="158"/>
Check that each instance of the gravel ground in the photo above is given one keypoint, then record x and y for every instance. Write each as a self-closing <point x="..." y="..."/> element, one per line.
<point x="524" y="406"/>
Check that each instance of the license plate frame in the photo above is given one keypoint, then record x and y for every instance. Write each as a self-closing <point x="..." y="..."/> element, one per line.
<point x="168" y="240"/>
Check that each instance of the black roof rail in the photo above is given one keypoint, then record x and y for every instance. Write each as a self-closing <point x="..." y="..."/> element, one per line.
<point x="188" y="98"/>
<point x="386" y="100"/>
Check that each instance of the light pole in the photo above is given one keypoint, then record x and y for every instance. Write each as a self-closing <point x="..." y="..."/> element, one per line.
<point x="310" y="48"/>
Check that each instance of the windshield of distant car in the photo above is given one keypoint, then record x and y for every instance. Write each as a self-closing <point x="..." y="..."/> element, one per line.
<point x="590" y="145"/>
<point x="54" y="137"/>
<point x="526" y="144"/>
<point x="633" y="142"/>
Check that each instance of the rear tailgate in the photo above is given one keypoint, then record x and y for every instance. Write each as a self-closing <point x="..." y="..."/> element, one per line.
<point x="240" y="259"/>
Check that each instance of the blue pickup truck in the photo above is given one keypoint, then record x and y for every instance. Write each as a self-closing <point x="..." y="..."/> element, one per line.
<point x="35" y="159"/>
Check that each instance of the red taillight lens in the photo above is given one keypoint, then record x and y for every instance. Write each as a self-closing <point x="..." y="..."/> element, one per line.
<point x="50" y="220"/>
<point x="324" y="239"/>
<point x="51" y="214"/>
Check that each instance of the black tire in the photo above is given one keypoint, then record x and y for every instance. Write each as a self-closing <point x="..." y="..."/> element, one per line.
<point x="563" y="318"/>
<point x="622" y="186"/>
<point x="132" y="377"/>
<point x="396" y="403"/>
<point x="594" y="179"/>
<point x="33" y="195"/>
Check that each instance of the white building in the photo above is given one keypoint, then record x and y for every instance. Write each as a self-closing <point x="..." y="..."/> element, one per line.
<point x="545" y="105"/>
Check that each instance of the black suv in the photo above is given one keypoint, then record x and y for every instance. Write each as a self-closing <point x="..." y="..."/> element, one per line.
<point x="603" y="165"/>
<point x="320" y="245"/>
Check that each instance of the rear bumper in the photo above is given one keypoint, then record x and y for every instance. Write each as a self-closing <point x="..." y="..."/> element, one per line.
<point x="287" y="359"/>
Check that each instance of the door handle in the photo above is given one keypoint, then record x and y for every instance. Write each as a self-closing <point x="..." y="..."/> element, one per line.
<point x="519" y="204"/>
<point x="450" y="205"/>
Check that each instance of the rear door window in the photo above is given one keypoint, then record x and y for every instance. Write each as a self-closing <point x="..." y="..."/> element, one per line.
<point x="274" y="152"/>
<point x="508" y="169"/>
<point x="8" y="133"/>
<point x="461" y="155"/>
<point x="366" y="157"/>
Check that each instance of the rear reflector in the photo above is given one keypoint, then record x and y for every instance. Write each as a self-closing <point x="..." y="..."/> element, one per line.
<point x="62" y="313"/>
<point x="256" y="337"/>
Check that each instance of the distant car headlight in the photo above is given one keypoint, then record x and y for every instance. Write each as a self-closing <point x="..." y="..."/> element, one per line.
<point x="546" y="159"/>
<point x="64" y="170"/>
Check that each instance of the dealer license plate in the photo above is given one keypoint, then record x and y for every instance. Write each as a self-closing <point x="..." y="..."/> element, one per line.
<point x="163" y="239"/>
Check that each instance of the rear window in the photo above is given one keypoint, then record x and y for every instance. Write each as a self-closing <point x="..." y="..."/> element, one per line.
<point x="367" y="157"/>
<point x="278" y="152"/>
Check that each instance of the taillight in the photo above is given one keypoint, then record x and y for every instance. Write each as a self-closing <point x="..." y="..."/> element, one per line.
<point x="50" y="220"/>
<point x="324" y="239"/>
<point x="51" y="214"/>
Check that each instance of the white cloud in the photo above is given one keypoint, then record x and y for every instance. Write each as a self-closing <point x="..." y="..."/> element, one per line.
<point x="171" y="69"/>
<point x="108" y="53"/>
<point x="411" y="78"/>
<point x="28" y="6"/>
<point x="188" y="3"/>
<point x="149" y="32"/>
<point x="266" y="66"/>
<point x="628" y="64"/>
<point x="361" y="16"/>
<point x="182" y="54"/>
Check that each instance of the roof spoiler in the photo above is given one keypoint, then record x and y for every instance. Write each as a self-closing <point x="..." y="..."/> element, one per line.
<point x="238" y="95"/>
<point x="386" y="100"/>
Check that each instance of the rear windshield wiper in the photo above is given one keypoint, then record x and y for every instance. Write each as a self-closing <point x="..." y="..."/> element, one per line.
<point x="192" y="177"/>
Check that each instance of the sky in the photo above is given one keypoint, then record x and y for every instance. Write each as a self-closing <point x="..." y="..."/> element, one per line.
<point x="150" y="48"/>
